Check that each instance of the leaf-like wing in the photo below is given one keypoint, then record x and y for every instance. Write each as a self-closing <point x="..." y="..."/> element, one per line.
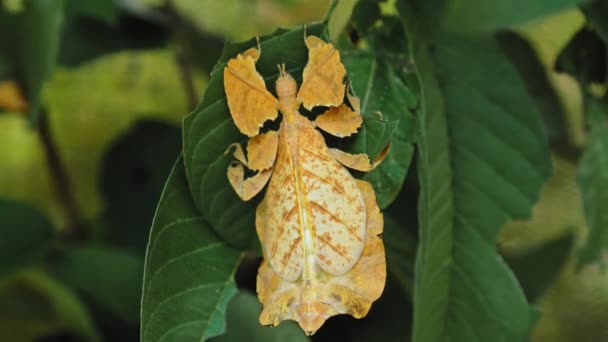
<point x="249" y="102"/>
<point x="323" y="77"/>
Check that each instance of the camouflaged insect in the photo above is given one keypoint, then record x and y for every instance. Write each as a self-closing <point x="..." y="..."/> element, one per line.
<point x="319" y="227"/>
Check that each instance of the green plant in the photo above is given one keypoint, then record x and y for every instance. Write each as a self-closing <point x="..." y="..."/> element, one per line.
<point x="494" y="192"/>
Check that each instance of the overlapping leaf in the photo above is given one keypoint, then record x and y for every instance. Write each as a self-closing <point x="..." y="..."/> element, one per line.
<point x="381" y="90"/>
<point x="482" y="161"/>
<point x="188" y="279"/>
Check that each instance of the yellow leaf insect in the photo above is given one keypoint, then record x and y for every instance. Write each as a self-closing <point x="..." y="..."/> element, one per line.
<point x="319" y="227"/>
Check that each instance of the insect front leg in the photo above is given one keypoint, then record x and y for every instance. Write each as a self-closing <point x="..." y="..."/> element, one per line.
<point x="260" y="158"/>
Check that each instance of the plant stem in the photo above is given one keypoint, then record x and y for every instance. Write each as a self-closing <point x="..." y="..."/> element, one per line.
<point x="186" y="68"/>
<point x="183" y="54"/>
<point x="75" y="229"/>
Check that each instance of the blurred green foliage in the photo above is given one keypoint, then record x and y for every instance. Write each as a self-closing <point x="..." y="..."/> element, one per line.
<point x="480" y="99"/>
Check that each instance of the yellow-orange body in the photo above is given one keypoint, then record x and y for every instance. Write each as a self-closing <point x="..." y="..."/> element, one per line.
<point x="319" y="227"/>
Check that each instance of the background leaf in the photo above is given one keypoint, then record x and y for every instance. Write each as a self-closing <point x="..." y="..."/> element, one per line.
<point x="592" y="178"/>
<point x="521" y="53"/>
<point x="400" y="248"/>
<point x="34" y="305"/>
<point x="380" y="89"/>
<point x="188" y="277"/>
<point x="536" y="269"/>
<point x="109" y="276"/>
<point x="482" y="161"/>
<point x="106" y="11"/>
<point x="474" y="16"/>
<point x="25" y="236"/>
<point x="133" y="173"/>
<point x="596" y="12"/>
<point x="33" y="45"/>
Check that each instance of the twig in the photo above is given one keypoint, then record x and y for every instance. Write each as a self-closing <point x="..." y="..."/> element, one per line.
<point x="76" y="229"/>
<point x="186" y="68"/>
<point x="183" y="55"/>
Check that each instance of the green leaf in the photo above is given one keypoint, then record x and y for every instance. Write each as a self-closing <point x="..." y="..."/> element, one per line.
<point x="108" y="276"/>
<point x="106" y="10"/>
<point x="133" y="173"/>
<point x="400" y="248"/>
<point x="592" y="179"/>
<point x="482" y="160"/>
<point x="85" y="38"/>
<point x="372" y="137"/>
<point x="381" y="90"/>
<point x="536" y="269"/>
<point x="209" y="130"/>
<point x="34" y="305"/>
<point x="25" y="236"/>
<point x="188" y="276"/>
<point x="243" y="324"/>
<point x="32" y="42"/>
<point x="522" y="55"/>
<point x="486" y="16"/>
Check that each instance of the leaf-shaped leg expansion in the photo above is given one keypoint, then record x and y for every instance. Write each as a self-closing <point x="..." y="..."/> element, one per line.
<point x="360" y="161"/>
<point x="323" y="77"/>
<point x="261" y="154"/>
<point x="249" y="102"/>
<point x="311" y="303"/>
<point x="343" y="120"/>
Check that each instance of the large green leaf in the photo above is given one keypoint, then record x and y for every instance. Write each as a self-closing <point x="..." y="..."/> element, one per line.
<point x="25" y="236"/>
<point x="382" y="90"/>
<point x="243" y="324"/>
<point x="482" y="161"/>
<point x="592" y="179"/>
<point x="188" y="277"/>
